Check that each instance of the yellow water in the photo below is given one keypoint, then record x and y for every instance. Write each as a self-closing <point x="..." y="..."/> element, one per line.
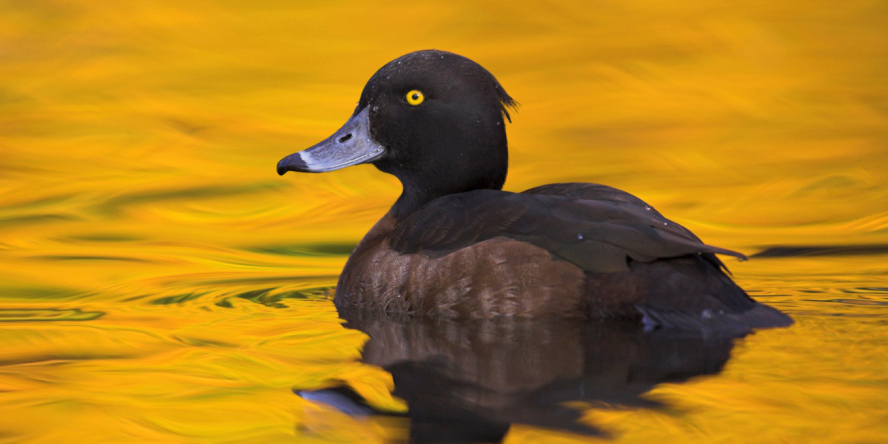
<point x="160" y="283"/>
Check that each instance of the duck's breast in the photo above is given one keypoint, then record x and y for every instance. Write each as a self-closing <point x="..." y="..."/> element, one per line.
<point x="495" y="277"/>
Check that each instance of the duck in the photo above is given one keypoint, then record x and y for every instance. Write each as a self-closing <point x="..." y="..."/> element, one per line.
<point x="455" y="245"/>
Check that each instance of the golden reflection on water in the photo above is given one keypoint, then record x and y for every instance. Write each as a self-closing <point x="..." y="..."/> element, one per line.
<point x="159" y="282"/>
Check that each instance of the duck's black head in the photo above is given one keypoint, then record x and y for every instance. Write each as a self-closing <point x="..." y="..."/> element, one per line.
<point x="433" y="119"/>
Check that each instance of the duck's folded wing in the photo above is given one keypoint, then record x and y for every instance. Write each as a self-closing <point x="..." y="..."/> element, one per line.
<point x="601" y="193"/>
<point x="598" y="192"/>
<point x="599" y="235"/>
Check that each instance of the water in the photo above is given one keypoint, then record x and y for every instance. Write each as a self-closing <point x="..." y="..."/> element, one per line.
<point x="160" y="283"/>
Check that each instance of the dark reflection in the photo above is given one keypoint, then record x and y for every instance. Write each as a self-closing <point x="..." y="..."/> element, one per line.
<point x="823" y="250"/>
<point x="469" y="381"/>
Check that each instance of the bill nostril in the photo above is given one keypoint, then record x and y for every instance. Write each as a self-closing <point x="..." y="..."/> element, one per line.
<point x="345" y="137"/>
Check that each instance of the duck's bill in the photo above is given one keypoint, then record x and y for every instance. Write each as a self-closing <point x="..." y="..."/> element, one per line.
<point x="351" y="145"/>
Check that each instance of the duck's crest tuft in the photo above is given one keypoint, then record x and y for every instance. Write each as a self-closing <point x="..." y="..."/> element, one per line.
<point x="507" y="101"/>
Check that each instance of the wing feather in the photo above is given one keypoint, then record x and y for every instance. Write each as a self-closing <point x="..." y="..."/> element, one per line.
<point x="595" y="227"/>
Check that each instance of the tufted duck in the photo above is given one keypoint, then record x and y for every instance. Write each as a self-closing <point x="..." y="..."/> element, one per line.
<point x="455" y="245"/>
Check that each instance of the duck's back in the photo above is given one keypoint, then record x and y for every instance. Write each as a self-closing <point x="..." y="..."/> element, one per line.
<point x="561" y="249"/>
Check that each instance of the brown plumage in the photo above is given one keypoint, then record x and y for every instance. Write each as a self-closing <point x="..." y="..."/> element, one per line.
<point x="487" y="279"/>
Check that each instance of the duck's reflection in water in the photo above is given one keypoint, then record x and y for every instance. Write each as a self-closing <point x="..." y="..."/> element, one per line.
<point x="468" y="381"/>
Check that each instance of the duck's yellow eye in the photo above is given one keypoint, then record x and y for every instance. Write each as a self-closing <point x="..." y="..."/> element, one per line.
<point x="415" y="97"/>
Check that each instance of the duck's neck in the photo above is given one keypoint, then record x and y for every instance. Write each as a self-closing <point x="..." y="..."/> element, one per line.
<point x="440" y="166"/>
<point x="417" y="193"/>
<point x="412" y="198"/>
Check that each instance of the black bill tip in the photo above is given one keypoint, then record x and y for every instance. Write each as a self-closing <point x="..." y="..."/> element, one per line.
<point x="293" y="162"/>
